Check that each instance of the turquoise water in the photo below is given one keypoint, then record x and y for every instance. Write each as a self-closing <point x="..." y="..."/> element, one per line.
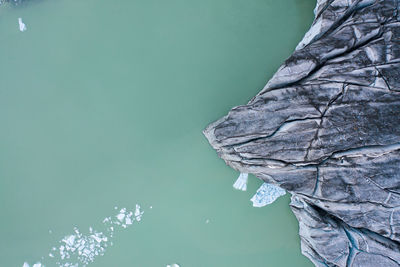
<point x="102" y="104"/>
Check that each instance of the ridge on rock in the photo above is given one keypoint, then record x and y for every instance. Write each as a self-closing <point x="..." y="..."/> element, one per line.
<point x="326" y="128"/>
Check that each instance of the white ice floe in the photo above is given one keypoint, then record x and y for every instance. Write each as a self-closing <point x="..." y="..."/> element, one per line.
<point x="22" y="26"/>
<point x="173" y="265"/>
<point x="267" y="194"/>
<point x="138" y="213"/>
<point x="121" y="215"/>
<point x="241" y="182"/>
<point x="128" y="219"/>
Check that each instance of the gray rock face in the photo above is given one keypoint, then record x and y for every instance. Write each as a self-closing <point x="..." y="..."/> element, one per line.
<point x="326" y="128"/>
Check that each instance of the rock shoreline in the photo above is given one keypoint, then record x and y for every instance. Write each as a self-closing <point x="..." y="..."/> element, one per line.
<point x="326" y="128"/>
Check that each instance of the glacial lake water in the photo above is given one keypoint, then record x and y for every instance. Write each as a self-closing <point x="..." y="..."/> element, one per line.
<point x="102" y="105"/>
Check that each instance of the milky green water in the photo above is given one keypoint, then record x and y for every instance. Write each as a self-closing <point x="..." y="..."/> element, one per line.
<point x="102" y="104"/>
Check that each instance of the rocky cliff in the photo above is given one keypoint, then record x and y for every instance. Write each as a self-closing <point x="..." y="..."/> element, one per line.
<point x="326" y="128"/>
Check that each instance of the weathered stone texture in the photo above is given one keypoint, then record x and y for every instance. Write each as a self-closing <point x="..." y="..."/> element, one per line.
<point x="326" y="128"/>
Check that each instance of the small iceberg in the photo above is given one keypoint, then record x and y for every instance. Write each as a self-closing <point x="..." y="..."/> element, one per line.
<point x="22" y="26"/>
<point x="241" y="182"/>
<point x="266" y="194"/>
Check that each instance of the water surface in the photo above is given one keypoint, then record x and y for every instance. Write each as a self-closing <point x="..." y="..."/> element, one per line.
<point x="102" y="104"/>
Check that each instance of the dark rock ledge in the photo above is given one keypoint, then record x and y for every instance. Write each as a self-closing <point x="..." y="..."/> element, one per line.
<point x="326" y="128"/>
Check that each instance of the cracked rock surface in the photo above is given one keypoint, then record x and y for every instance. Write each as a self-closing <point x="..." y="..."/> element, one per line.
<point x="326" y="128"/>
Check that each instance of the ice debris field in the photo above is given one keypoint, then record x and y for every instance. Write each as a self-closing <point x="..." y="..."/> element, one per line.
<point x="80" y="249"/>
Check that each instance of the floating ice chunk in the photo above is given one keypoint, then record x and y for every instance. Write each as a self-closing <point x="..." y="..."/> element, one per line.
<point x="25" y="264"/>
<point x="107" y="220"/>
<point x="69" y="240"/>
<point x="208" y="220"/>
<point x="128" y="221"/>
<point x="37" y="265"/>
<point x="97" y="238"/>
<point x="138" y="213"/>
<point x="241" y="182"/>
<point x="267" y="194"/>
<point x="22" y="26"/>
<point x="121" y="217"/>
<point x="173" y="265"/>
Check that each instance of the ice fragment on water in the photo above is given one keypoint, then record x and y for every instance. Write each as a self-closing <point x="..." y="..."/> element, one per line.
<point x="138" y="213"/>
<point x="69" y="240"/>
<point x="25" y="264"/>
<point x="128" y="221"/>
<point x="267" y="194"/>
<point x="241" y="182"/>
<point x="121" y="217"/>
<point x="22" y="26"/>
